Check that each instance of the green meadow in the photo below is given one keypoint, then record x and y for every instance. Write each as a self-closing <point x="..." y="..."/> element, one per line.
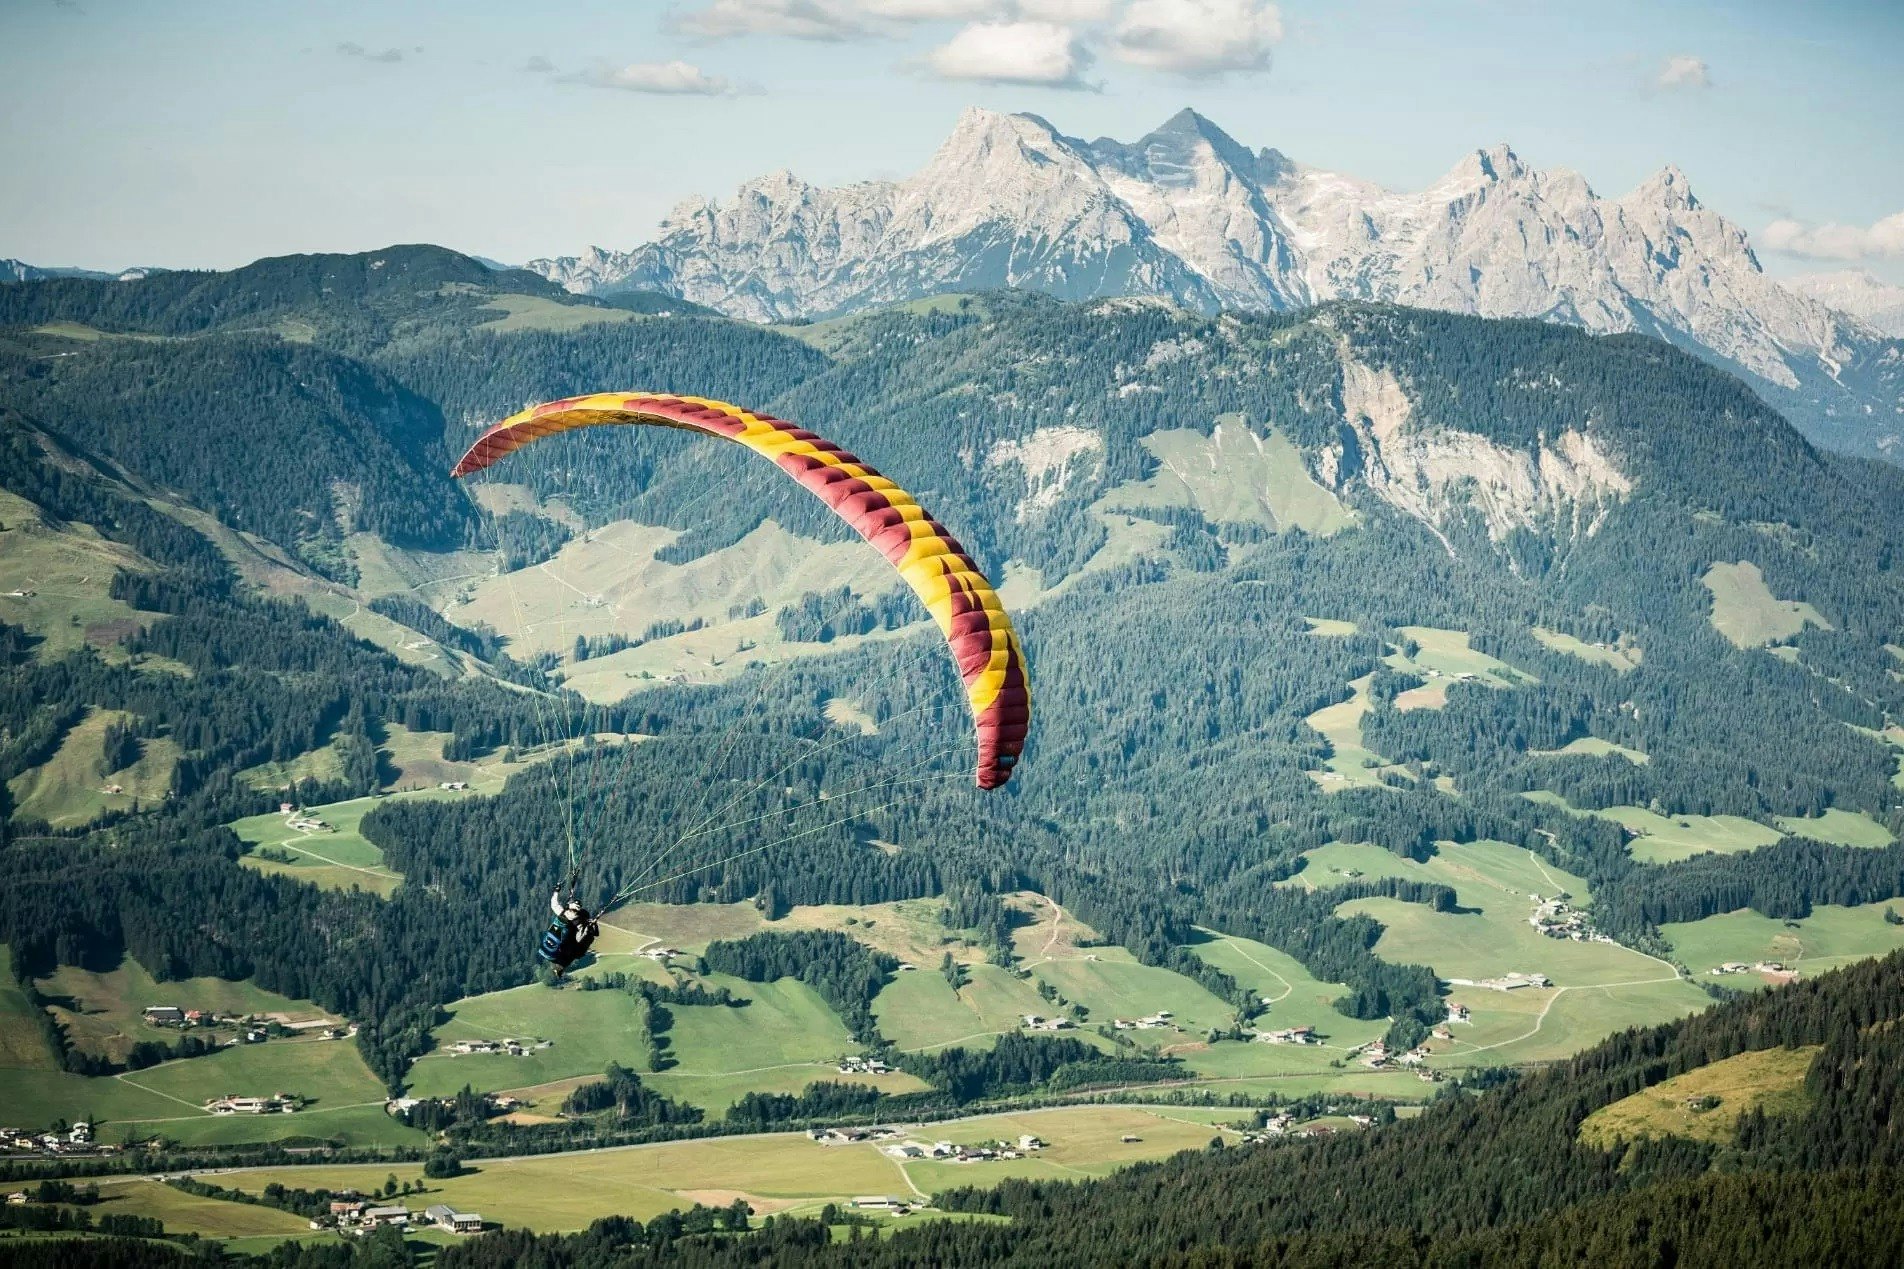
<point x="1771" y="1081"/>
<point x="103" y="1013"/>
<point x="1829" y="937"/>
<point x="920" y="1010"/>
<point x="1666" y="839"/>
<point x="589" y="1029"/>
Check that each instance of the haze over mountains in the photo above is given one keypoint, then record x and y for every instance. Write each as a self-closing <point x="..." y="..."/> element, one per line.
<point x="1879" y="304"/>
<point x="1189" y="213"/>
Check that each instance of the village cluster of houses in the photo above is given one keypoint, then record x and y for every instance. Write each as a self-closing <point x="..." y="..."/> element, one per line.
<point x="1558" y="919"/>
<point x="1036" y="1022"/>
<point x="953" y="1152"/>
<point x="75" y="1140"/>
<point x="354" y="1215"/>
<point x="507" y="1045"/>
<point x="1162" y="1018"/>
<point x="250" y="1027"/>
<point x="276" y="1104"/>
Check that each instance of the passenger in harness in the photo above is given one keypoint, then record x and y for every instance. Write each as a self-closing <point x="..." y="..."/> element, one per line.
<point x="570" y="935"/>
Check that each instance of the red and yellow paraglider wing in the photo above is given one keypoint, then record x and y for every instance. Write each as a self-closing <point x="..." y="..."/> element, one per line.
<point x="930" y="559"/>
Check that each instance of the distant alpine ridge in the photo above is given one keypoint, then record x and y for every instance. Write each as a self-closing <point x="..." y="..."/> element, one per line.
<point x="12" y="270"/>
<point x="1190" y="214"/>
<point x="1879" y="304"/>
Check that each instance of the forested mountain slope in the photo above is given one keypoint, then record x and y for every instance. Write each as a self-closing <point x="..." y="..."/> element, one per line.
<point x="1230" y="540"/>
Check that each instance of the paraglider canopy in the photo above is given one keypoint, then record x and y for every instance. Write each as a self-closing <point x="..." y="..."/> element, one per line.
<point x="961" y="600"/>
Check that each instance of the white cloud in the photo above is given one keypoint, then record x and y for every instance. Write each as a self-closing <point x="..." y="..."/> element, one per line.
<point x="675" y="79"/>
<point x="1684" y="71"/>
<point x="1883" y="239"/>
<point x="932" y="10"/>
<point x="1198" y="37"/>
<point x="1041" y="53"/>
<point x="1065" y="10"/>
<point x="798" y="19"/>
<point x="853" y="19"/>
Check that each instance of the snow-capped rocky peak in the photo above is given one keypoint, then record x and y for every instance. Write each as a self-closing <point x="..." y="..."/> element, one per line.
<point x="1485" y="167"/>
<point x="1667" y="187"/>
<point x="1190" y="213"/>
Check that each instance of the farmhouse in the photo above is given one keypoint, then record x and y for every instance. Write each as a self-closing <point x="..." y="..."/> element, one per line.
<point x="1516" y="980"/>
<point x="1291" y="1035"/>
<point x="880" y="1203"/>
<point x="386" y="1216"/>
<point x="164" y="1015"/>
<point x="1034" y="1022"/>
<point x="840" y="1136"/>
<point x="445" y="1217"/>
<point x="1459" y="1013"/>
<point x="277" y="1103"/>
<point x="1159" y="1019"/>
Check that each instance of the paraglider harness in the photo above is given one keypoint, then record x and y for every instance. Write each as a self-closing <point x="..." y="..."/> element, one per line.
<point x="571" y="933"/>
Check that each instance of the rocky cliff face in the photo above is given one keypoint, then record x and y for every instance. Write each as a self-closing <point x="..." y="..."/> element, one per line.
<point x="1563" y="486"/>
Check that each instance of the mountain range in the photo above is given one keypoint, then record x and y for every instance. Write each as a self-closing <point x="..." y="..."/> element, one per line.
<point x="1876" y="302"/>
<point x="1325" y="608"/>
<point x="1188" y="213"/>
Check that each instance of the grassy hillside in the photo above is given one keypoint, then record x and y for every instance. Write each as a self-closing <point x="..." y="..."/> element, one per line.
<point x="1826" y="939"/>
<point x="103" y="1012"/>
<point x="1705" y="1104"/>
<point x="1745" y="611"/>
<point x="73" y="788"/>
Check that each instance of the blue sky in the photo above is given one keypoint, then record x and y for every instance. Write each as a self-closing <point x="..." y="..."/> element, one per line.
<point x="200" y="133"/>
